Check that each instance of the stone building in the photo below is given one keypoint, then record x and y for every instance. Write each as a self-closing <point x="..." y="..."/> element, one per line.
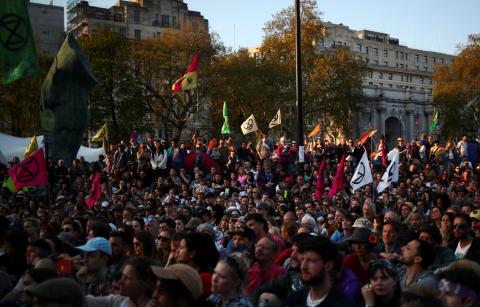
<point x="47" y="26"/>
<point x="398" y="85"/>
<point x="138" y="19"/>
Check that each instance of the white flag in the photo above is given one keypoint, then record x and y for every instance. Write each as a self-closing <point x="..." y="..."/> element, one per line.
<point x="277" y="120"/>
<point x="390" y="175"/>
<point x="362" y="175"/>
<point x="392" y="155"/>
<point x="250" y="125"/>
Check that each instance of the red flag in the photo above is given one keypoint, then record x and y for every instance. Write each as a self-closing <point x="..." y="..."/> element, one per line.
<point x="320" y="185"/>
<point x="31" y="171"/>
<point x="339" y="180"/>
<point x="95" y="193"/>
<point x="366" y="136"/>
<point x="384" y="155"/>
<point x="206" y="162"/>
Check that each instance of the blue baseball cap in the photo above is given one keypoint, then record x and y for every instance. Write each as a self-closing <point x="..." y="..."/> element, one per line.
<point x="96" y="244"/>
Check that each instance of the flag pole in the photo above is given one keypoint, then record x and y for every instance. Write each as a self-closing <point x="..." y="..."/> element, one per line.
<point x="196" y="119"/>
<point x="371" y="167"/>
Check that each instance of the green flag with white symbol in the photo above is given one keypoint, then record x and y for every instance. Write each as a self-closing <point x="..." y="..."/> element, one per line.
<point x="226" y="125"/>
<point x="18" y="58"/>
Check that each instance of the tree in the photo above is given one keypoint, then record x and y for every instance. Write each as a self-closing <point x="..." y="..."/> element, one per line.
<point x="117" y="98"/>
<point x="19" y="102"/>
<point x="332" y="80"/>
<point x="160" y="62"/>
<point x="457" y="84"/>
<point x="249" y="85"/>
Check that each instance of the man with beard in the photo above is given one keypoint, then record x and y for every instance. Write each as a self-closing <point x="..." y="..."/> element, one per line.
<point x="280" y="288"/>
<point x="464" y="245"/>
<point x="319" y="256"/>
<point x="417" y="256"/>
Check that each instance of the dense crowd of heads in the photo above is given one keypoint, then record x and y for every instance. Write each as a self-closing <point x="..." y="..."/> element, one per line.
<point x="220" y="223"/>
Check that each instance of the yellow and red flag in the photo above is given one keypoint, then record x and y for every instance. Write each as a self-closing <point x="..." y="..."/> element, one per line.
<point x="314" y="131"/>
<point x="366" y="136"/>
<point x="189" y="80"/>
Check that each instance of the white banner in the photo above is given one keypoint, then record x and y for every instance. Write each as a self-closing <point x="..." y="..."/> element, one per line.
<point x="363" y="174"/>
<point x="391" y="173"/>
<point x="277" y="120"/>
<point x="250" y="125"/>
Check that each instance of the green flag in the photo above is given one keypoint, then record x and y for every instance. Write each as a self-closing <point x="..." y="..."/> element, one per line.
<point x="18" y="58"/>
<point x="226" y="126"/>
<point x="8" y="183"/>
<point x="434" y="124"/>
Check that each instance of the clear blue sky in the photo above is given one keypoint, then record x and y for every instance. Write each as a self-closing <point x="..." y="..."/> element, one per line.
<point x="435" y="25"/>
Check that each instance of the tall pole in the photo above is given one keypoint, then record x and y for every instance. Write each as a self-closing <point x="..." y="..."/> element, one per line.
<point x="298" y="50"/>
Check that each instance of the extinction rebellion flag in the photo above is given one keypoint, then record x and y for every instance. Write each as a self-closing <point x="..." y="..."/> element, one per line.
<point x="31" y="171"/>
<point x="18" y="58"/>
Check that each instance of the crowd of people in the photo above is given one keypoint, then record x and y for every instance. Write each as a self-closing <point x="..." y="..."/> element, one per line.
<point x="219" y="223"/>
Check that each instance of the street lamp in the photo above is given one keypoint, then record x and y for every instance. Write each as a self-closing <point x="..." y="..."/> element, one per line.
<point x="298" y="50"/>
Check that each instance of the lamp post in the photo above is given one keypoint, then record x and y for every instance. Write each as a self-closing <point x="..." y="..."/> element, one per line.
<point x="298" y="61"/>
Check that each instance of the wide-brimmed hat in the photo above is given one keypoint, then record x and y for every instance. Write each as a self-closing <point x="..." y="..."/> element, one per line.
<point x="361" y="235"/>
<point x="185" y="274"/>
<point x="244" y="232"/>
<point x="58" y="290"/>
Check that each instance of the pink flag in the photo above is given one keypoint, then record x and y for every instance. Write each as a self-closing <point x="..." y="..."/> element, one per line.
<point x="320" y="186"/>
<point x="95" y="193"/>
<point x="384" y="155"/>
<point x="29" y="172"/>
<point x="339" y="180"/>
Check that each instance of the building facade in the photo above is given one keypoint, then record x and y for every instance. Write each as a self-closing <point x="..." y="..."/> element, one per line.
<point x="398" y="85"/>
<point x="136" y="19"/>
<point x="47" y="26"/>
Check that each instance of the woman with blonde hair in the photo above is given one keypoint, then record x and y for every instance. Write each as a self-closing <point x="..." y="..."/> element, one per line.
<point x="228" y="282"/>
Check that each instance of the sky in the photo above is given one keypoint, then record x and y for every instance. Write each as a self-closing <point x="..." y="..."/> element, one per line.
<point x="433" y="25"/>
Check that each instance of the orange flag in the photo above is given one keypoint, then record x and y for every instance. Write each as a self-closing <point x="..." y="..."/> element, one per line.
<point x="314" y="131"/>
<point x="366" y="136"/>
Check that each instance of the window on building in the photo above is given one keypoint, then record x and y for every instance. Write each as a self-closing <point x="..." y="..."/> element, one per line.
<point x="333" y="44"/>
<point x="138" y="34"/>
<point x="421" y="80"/>
<point x="339" y="44"/>
<point x="397" y="65"/>
<point x="359" y="47"/>
<point x="417" y="67"/>
<point x="118" y="17"/>
<point x="366" y="50"/>
<point x="401" y="77"/>
<point x="375" y="62"/>
<point x="136" y="17"/>
<point x="443" y="61"/>
<point x="385" y="53"/>
<point x="406" y="56"/>
<point x="165" y="21"/>
<point x="380" y="75"/>
<point x="174" y="21"/>
<point x="385" y="63"/>
<point x="375" y="51"/>
<point x="370" y="83"/>
<point x="401" y="65"/>
<point x="430" y="82"/>
<point x="380" y="84"/>
<point x="370" y="74"/>
<point x="425" y="59"/>
<point x="123" y="31"/>
<point x="390" y="85"/>
<point x="425" y="68"/>
<point x="434" y="60"/>
<point x="417" y="58"/>
<point x="397" y="54"/>
<point x="401" y="55"/>
<point x="390" y="76"/>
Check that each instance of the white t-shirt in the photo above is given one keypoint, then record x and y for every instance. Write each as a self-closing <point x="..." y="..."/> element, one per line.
<point x="313" y="303"/>
<point x="461" y="252"/>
